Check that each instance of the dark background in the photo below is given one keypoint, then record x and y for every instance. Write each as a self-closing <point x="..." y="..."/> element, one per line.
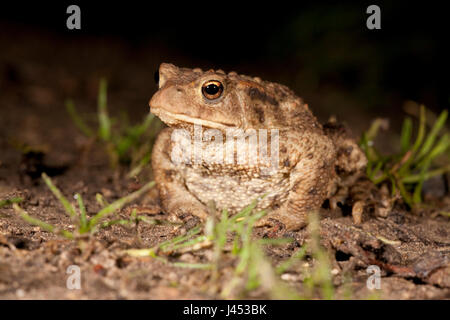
<point x="322" y="50"/>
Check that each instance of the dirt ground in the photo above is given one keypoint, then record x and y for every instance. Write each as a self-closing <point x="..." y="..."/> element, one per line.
<point x="411" y="248"/>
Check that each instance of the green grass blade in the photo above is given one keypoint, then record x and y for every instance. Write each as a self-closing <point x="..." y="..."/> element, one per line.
<point x="78" y="120"/>
<point x="41" y="224"/>
<point x="132" y="136"/>
<point x="373" y="172"/>
<point x="368" y="137"/>
<point x="244" y="212"/>
<point x="189" y="243"/>
<point x="103" y="117"/>
<point x="118" y="204"/>
<point x="441" y="146"/>
<point x="298" y="255"/>
<point x="148" y="220"/>
<point x="405" y="195"/>
<point x="372" y="133"/>
<point x="421" y="132"/>
<point x="255" y="217"/>
<point x="417" y="195"/>
<point x="402" y="171"/>
<point x="101" y="200"/>
<point x="70" y="210"/>
<point x="114" y="222"/>
<point x="83" y="220"/>
<point x="164" y="245"/>
<point x="394" y="186"/>
<point x="220" y="234"/>
<point x="366" y="146"/>
<point x="430" y="174"/>
<point x="427" y="145"/>
<point x="140" y="129"/>
<point x="6" y="202"/>
<point x="405" y="140"/>
<point x="140" y="166"/>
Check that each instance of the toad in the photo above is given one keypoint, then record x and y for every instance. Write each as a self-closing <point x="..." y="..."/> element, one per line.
<point x="232" y="139"/>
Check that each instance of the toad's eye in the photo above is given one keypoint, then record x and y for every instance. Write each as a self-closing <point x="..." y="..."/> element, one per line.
<point x="212" y="89"/>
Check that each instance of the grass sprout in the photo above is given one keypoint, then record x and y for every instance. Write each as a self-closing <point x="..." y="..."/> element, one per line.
<point x="124" y="143"/>
<point x="7" y="202"/>
<point x="418" y="160"/>
<point x="85" y="225"/>
<point x="320" y="277"/>
<point x="231" y="237"/>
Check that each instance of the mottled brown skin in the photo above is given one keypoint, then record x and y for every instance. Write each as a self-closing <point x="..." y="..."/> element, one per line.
<point x="308" y="158"/>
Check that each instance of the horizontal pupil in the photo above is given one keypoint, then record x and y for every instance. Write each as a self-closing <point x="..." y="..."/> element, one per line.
<point x="211" y="89"/>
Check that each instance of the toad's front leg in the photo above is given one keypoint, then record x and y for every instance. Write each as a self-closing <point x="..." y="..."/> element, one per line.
<point x="311" y="181"/>
<point x="175" y="198"/>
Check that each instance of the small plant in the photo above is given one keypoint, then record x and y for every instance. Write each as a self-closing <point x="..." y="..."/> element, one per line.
<point x="232" y="237"/>
<point x="125" y="144"/>
<point x="317" y="278"/>
<point x="320" y="276"/>
<point x="417" y="160"/>
<point x="10" y="201"/>
<point x="85" y="226"/>
<point x="253" y="269"/>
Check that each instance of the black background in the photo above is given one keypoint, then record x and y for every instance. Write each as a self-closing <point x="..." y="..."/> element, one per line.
<point x="408" y="57"/>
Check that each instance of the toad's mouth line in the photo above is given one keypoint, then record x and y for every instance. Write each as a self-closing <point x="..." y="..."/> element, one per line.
<point x="172" y="118"/>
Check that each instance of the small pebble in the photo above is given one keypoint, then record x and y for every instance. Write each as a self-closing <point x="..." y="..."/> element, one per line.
<point x="289" y="277"/>
<point x="20" y="293"/>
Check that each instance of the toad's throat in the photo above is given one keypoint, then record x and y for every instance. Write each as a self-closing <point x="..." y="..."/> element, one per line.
<point x="172" y="119"/>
